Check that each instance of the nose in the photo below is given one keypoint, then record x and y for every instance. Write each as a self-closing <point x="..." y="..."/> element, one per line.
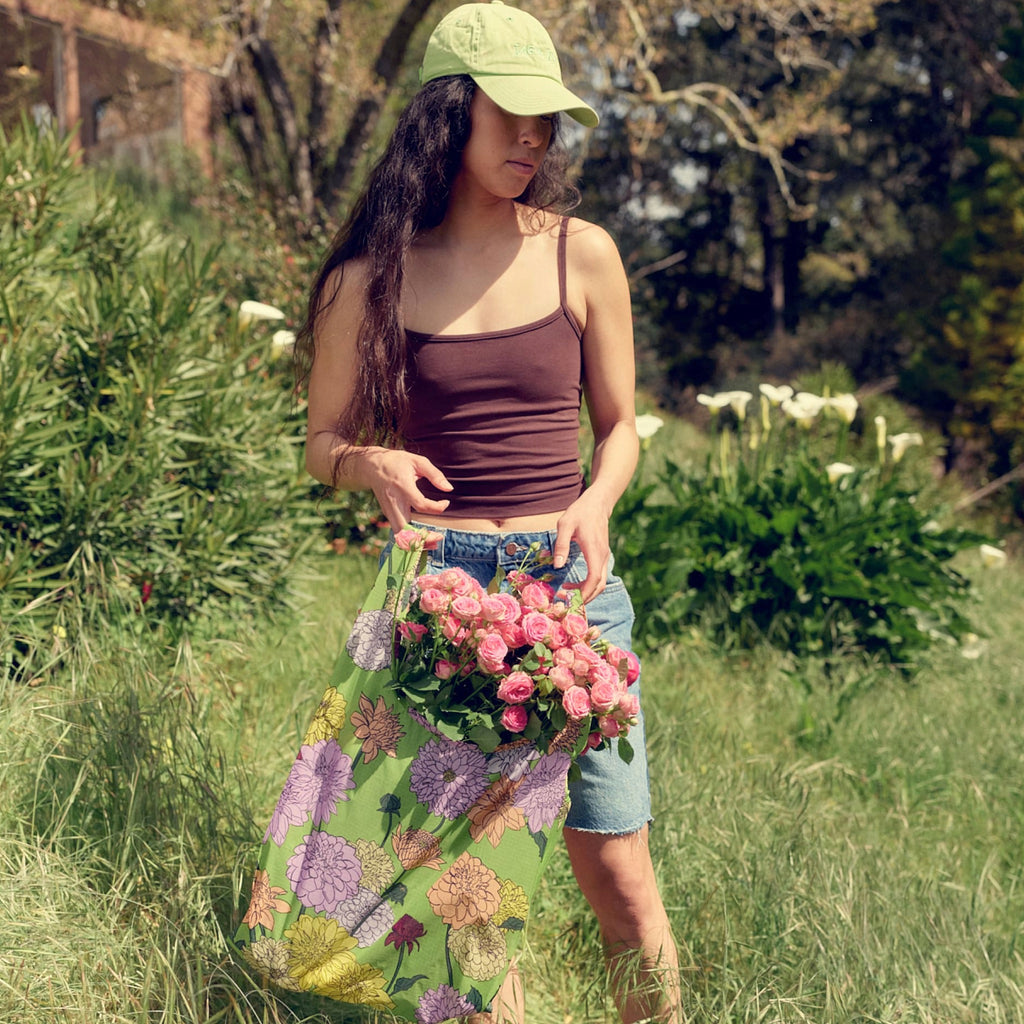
<point x="533" y="130"/>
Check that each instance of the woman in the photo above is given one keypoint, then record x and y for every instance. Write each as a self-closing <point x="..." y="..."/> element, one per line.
<point x="450" y="330"/>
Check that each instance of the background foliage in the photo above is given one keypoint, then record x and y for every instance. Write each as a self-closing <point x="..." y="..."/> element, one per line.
<point x="149" y="456"/>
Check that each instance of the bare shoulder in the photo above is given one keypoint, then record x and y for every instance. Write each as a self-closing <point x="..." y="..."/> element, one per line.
<point x="590" y="249"/>
<point x="343" y="299"/>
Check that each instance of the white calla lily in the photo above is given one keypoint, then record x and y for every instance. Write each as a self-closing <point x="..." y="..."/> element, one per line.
<point x="837" y="470"/>
<point x="803" y="411"/>
<point x="714" y="402"/>
<point x="648" y="425"/>
<point x="880" y="429"/>
<point x="992" y="557"/>
<point x="281" y="343"/>
<point x="250" y="310"/>
<point x="776" y="395"/>
<point x="738" y="402"/>
<point x="901" y="442"/>
<point x="845" y="405"/>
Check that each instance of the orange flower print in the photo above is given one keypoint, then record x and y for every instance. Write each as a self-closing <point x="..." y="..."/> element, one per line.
<point x="467" y="893"/>
<point x="494" y="812"/>
<point x="377" y="726"/>
<point x="264" y="903"/>
<point x="416" y="848"/>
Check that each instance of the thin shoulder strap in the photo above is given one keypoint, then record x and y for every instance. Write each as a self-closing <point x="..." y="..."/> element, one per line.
<point x="562" y="231"/>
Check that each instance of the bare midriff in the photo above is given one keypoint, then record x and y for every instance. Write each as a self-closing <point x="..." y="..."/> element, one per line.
<point x="538" y="523"/>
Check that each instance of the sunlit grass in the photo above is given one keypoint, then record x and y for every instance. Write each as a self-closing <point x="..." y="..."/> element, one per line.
<point x="820" y="870"/>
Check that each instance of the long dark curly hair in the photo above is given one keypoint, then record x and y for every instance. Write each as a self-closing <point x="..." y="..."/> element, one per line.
<point x="407" y="192"/>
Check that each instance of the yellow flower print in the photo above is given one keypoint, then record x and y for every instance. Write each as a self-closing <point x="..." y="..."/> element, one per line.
<point x="378" y="868"/>
<point x="514" y="902"/>
<point x="329" y="718"/>
<point x="319" y="951"/>
<point x="360" y="983"/>
<point x="480" y="950"/>
<point x="269" y="957"/>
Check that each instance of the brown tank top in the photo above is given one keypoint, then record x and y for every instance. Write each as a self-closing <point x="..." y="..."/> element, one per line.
<point x="498" y="413"/>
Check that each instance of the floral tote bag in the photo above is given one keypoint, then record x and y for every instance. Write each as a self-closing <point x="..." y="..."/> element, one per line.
<point x="399" y="865"/>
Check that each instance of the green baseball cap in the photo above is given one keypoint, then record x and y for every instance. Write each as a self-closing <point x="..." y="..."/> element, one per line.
<point x="510" y="56"/>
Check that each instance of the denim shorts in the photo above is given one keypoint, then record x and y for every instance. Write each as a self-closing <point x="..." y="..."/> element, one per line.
<point x="612" y="797"/>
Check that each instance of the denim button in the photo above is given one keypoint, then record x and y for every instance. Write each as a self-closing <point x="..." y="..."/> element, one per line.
<point x="511" y="548"/>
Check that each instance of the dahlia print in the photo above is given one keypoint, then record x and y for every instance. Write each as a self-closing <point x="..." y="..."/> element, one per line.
<point x="541" y="791"/>
<point x="369" y="645"/>
<point x="467" y="893"/>
<point x="480" y="950"/>
<point x="366" y="916"/>
<point x="442" y="1003"/>
<point x="324" y="871"/>
<point x="265" y="902"/>
<point x="319" y="778"/>
<point x="448" y="777"/>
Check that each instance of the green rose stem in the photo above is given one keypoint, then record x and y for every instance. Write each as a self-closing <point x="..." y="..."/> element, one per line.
<point x="398" y="967"/>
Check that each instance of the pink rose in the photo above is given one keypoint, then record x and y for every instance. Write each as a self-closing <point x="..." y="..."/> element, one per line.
<point x="445" y="669"/>
<point x="604" y="695"/>
<point x="412" y="632"/>
<point x="512" y="634"/>
<point x="609" y="727"/>
<point x="406" y="539"/>
<point x="561" y="677"/>
<point x="594" y="740"/>
<point x="516" y="688"/>
<point x="536" y="627"/>
<point x="576" y="702"/>
<point x="559" y="637"/>
<point x="457" y="581"/>
<point x="466" y="607"/>
<point x="575" y="625"/>
<point x="602" y="672"/>
<point x="537" y="595"/>
<point x="586" y="652"/>
<point x="563" y="657"/>
<point x="514" y="718"/>
<point x="433" y="601"/>
<point x="629" y="705"/>
<point x="492" y="648"/>
<point x="492" y="609"/>
<point x="633" y="672"/>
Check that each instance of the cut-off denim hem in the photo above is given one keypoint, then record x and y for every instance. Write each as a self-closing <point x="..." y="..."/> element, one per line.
<point x="611" y="797"/>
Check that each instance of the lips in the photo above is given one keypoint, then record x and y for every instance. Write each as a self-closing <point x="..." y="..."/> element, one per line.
<point x="522" y="166"/>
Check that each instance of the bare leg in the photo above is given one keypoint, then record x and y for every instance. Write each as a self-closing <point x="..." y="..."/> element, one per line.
<point x="616" y="875"/>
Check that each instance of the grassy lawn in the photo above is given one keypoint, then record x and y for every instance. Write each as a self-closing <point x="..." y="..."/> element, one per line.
<point x="865" y="869"/>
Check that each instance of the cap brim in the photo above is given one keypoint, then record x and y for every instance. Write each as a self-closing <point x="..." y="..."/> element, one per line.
<point x="535" y="94"/>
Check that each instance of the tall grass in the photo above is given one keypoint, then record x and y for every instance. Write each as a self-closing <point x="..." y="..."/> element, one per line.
<point x="870" y="872"/>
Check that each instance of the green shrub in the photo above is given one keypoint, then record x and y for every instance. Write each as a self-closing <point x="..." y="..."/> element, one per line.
<point x="149" y="450"/>
<point x="769" y="542"/>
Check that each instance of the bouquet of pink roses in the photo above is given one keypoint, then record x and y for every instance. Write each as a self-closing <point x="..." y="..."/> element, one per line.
<point x="494" y="668"/>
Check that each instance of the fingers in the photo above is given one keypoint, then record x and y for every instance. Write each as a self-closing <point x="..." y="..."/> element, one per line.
<point x="426" y="469"/>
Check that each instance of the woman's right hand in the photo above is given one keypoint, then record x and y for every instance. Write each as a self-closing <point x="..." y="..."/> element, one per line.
<point x="393" y="475"/>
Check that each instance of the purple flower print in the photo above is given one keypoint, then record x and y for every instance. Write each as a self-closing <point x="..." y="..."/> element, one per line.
<point x="513" y="761"/>
<point x="366" y="916"/>
<point x="369" y="644"/>
<point x="324" y="871"/>
<point x="448" y="776"/>
<point x="542" y="792"/>
<point x="441" y="1004"/>
<point x="319" y="778"/>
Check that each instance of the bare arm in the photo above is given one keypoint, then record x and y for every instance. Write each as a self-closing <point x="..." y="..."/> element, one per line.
<point x="390" y="473"/>
<point x="609" y="384"/>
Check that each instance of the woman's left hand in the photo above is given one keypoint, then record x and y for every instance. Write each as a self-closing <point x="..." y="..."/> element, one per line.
<point x="586" y="522"/>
